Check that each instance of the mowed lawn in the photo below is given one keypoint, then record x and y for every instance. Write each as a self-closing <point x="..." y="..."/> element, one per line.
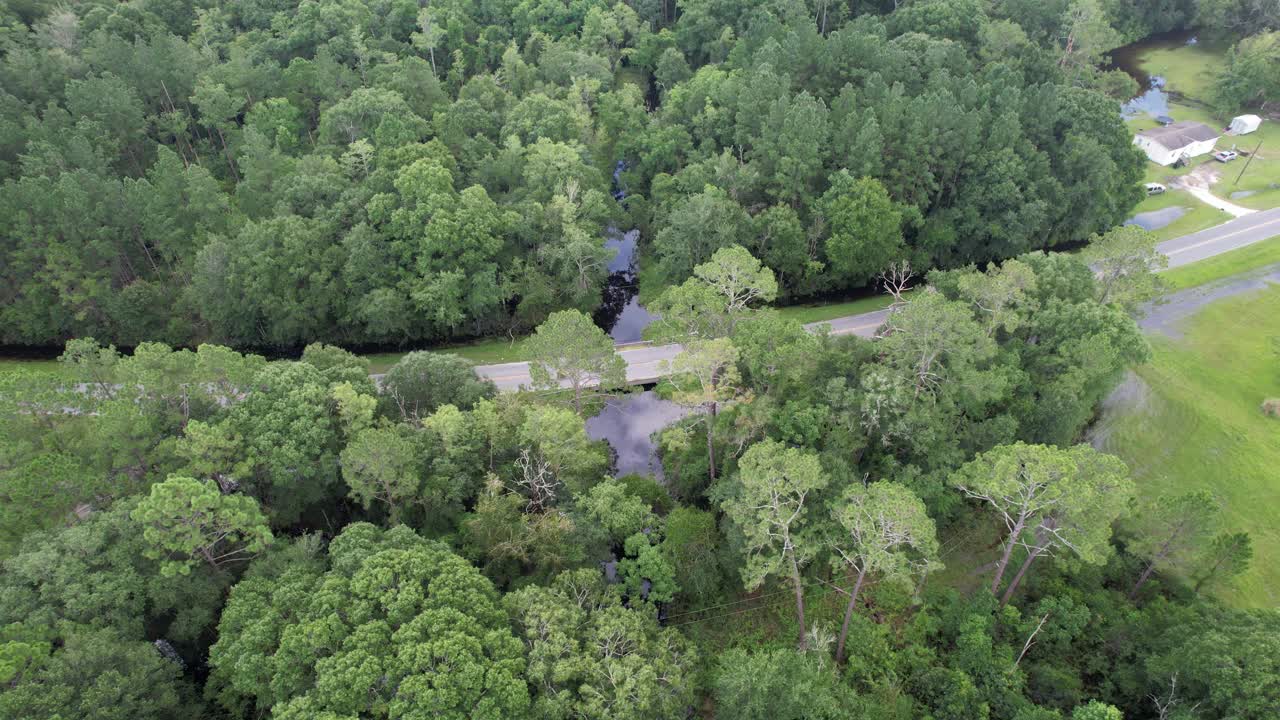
<point x="1201" y="426"/>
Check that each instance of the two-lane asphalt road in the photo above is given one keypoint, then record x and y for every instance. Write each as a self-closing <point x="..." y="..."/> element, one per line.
<point x="644" y="361"/>
<point x="1232" y="235"/>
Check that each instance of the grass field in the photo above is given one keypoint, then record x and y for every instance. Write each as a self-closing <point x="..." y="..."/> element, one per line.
<point x="1199" y="426"/>
<point x="7" y="364"/>
<point x="1187" y="69"/>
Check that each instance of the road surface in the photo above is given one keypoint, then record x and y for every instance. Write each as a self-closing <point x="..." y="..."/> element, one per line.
<point x="1232" y="235"/>
<point x="644" y="361"/>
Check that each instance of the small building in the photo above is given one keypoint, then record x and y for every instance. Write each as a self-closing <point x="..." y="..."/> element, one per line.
<point x="1179" y="141"/>
<point x="1244" y="124"/>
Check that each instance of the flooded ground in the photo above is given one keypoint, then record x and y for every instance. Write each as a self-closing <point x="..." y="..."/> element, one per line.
<point x="628" y="425"/>
<point x="1165" y="314"/>
<point x="1156" y="219"/>
<point x="1242" y="194"/>
<point x="1154" y="101"/>
<point x="1154" y="98"/>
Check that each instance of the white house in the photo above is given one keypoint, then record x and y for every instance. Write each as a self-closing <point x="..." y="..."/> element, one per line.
<point x="1179" y="141"/>
<point x="1244" y="124"/>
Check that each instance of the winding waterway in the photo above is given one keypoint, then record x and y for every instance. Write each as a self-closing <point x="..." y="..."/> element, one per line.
<point x="629" y="422"/>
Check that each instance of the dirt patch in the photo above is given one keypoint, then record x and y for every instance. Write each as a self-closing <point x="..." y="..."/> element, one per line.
<point x="1203" y="176"/>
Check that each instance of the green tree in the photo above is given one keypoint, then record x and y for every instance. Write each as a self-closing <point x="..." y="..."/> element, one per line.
<point x="408" y="627"/>
<point x="704" y="374"/>
<point x="281" y="442"/>
<point x="768" y="503"/>
<point x="1249" y="76"/>
<point x="1096" y="711"/>
<point x="97" y="574"/>
<point x="568" y="350"/>
<point x="1228" y="556"/>
<point x="865" y="228"/>
<point x="696" y="227"/>
<point x="719" y="295"/>
<point x="1125" y="261"/>
<point x="691" y="544"/>
<point x="380" y="464"/>
<point x="1222" y="662"/>
<point x="1172" y="531"/>
<point x="186" y="520"/>
<point x="1061" y="498"/>
<point x="100" y="675"/>
<point x="588" y="656"/>
<point x="882" y="530"/>
<point x="779" y="684"/>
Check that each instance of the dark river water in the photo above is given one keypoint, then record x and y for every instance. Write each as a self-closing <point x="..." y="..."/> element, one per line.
<point x="628" y="424"/>
<point x="620" y="314"/>
<point x="1153" y="99"/>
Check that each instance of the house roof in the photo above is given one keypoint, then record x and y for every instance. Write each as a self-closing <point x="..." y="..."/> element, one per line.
<point x="1181" y="134"/>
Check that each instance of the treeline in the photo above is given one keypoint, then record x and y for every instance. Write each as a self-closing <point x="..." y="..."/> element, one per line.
<point x="271" y="174"/>
<point x="893" y="528"/>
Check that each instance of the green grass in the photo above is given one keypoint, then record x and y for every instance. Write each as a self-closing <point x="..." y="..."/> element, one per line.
<point x="1201" y="427"/>
<point x="482" y="352"/>
<point x="8" y="364"/>
<point x="817" y="312"/>
<point x="1198" y="216"/>
<point x="1187" y="69"/>
<point x="1228" y="264"/>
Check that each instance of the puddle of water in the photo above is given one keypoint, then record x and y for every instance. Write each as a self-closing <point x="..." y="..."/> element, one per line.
<point x="1165" y="314"/>
<point x="1242" y="194"/>
<point x="628" y="425"/>
<point x="1156" y="219"/>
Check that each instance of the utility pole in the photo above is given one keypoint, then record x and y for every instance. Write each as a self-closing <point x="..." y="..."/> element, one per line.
<point x="1246" y="164"/>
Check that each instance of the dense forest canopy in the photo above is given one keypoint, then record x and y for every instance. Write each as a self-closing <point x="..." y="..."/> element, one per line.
<point x="894" y="528"/>
<point x="900" y="527"/>
<point x="269" y="174"/>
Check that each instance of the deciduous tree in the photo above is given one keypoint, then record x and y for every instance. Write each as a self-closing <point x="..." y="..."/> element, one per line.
<point x="569" y="350"/>
<point x="769" y="502"/>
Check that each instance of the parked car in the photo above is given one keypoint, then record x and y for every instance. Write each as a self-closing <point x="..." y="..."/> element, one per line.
<point x="1154" y="188"/>
<point x="1225" y="155"/>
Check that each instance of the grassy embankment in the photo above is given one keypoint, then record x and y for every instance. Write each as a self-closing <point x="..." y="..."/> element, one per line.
<point x="1199" y="425"/>
<point x="1189" y="72"/>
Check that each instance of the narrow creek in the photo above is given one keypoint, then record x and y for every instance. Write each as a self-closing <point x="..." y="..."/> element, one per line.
<point x="629" y="422"/>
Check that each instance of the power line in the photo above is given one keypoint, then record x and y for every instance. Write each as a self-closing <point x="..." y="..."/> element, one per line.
<point x="825" y="591"/>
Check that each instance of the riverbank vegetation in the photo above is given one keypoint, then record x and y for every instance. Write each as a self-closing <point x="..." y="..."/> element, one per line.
<point x="903" y="527"/>
<point x="898" y="527"/>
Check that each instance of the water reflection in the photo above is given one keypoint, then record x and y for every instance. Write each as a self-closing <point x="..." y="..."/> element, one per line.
<point x="1154" y="102"/>
<point x="1156" y="219"/>
<point x="628" y="425"/>
<point x="620" y="312"/>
